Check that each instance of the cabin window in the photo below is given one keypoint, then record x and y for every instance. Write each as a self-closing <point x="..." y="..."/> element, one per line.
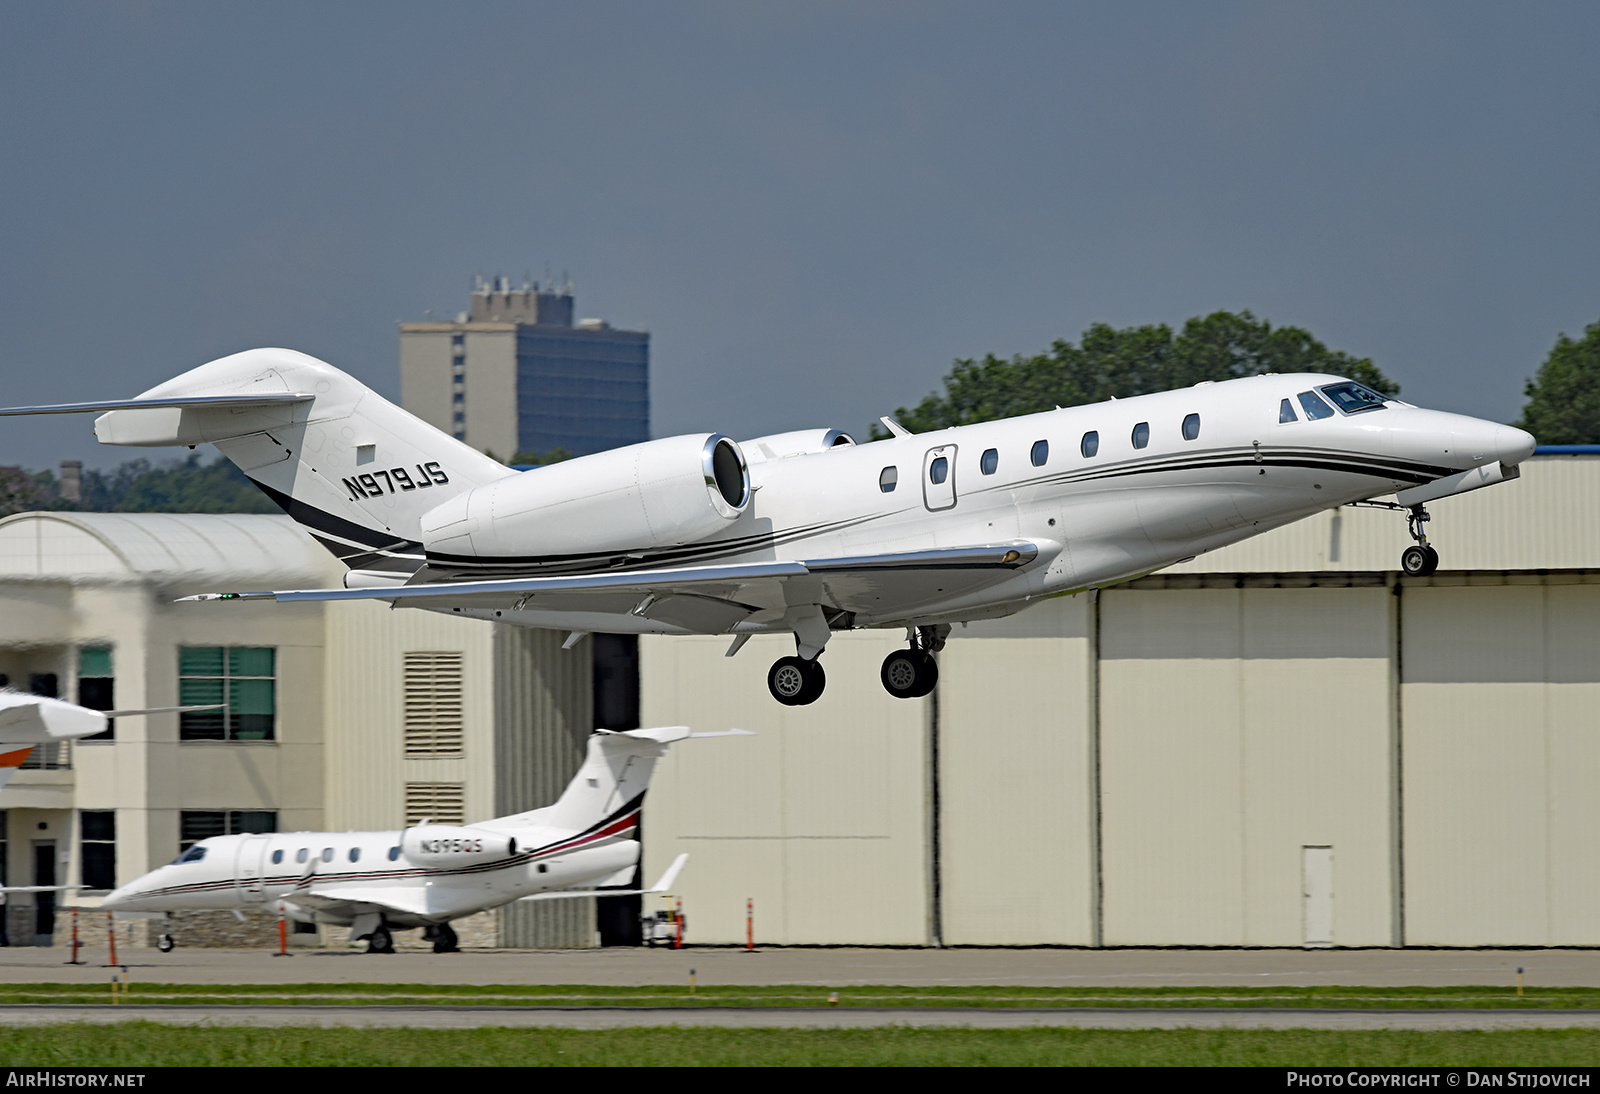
<point x="277" y="857"/>
<point x="300" y="855"/>
<point x="1286" y="412"/>
<point x="1191" y="427"/>
<point x="355" y="854"/>
<point x="1040" y="453"/>
<point x="1141" y="435"/>
<point x="990" y="461"/>
<point x="394" y="853"/>
<point x="1315" y="408"/>
<point x="327" y="854"/>
<point x="938" y="470"/>
<point x="1090" y="444"/>
<point x="887" y="479"/>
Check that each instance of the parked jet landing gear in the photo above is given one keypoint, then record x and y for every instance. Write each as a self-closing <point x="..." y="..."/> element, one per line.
<point x="912" y="673"/>
<point x="164" y="942"/>
<point x="381" y="941"/>
<point x="795" y="682"/>
<point x="443" y="938"/>
<point x="1419" y="560"/>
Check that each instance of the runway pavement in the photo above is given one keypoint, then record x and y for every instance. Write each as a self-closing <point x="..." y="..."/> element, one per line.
<point x="842" y="967"/>
<point x="794" y="1018"/>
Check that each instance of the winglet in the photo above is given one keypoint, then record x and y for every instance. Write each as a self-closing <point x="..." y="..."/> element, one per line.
<point x="670" y="876"/>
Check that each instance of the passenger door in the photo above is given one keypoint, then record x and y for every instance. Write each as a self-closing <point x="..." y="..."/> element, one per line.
<point x="939" y="478"/>
<point x="247" y="868"/>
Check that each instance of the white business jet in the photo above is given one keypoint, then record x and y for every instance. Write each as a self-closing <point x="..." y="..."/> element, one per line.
<point x="429" y="874"/>
<point x="807" y="533"/>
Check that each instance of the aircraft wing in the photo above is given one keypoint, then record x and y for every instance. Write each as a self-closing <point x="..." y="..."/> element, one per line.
<point x="412" y="899"/>
<point x="710" y="599"/>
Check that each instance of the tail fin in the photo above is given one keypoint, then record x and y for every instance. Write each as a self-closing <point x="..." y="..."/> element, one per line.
<point x="353" y="469"/>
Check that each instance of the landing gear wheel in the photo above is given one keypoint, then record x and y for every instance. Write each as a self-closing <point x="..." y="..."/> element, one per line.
<point x="444" y="939"/>
<point x="794" y="681"/>
<point x="909" y="674"/>
<point x="381" y="942"/>
<point x="1419" y="560"/>
<point x="165" y="943"/>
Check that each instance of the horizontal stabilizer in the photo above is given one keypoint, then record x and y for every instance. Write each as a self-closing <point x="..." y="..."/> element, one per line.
<point x="230" y="402"/>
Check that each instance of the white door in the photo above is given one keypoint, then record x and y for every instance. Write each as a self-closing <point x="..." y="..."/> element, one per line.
<point x="939" y="478"/>
<point x="1317" y="886"/>
<point x="247" y="868"/>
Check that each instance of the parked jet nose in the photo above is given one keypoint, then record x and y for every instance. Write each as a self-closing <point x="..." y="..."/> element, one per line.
<point x="125" y="897"/>
<point x="1512" y="445"/>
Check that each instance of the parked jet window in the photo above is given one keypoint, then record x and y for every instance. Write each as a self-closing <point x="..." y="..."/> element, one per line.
<point x="327" y="854"/>
<point x="990" y="461"/>
<point x="1141" y="434"/>
<point x="1286" y="412"/>
<point x="355" y="854"/>
<point x="1040" y="453"/>
<point x="394" y="853"/>
<point x="1091" y="443"/>
<point x="939" y="470"/>
<point x="1353" y="398"/>
<point x="193" y="854"/>
<point x="887" y="479"/>
<point x="1191" y="427"/>
<point x="277" y="857"/>
<point x="300" y="855"/>
<point x="1315" y="408"/>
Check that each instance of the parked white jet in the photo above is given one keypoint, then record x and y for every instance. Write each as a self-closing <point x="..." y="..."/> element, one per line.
<point x="429" y="874"/>
<point x="808" y="532"/>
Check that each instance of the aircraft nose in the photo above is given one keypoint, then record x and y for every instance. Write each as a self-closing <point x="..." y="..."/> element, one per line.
<point x="1512" y="445"/>
<point x="121" y="897"/>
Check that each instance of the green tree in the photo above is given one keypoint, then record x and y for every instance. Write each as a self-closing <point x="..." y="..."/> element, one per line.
<point x="1563" y="404"/>
<point x="1111" y="363"/>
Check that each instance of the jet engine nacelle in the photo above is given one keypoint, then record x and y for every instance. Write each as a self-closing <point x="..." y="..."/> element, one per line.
<point x="657" y="494"/>
<point x="455" y="845"/>
<point x="800" y="442"/>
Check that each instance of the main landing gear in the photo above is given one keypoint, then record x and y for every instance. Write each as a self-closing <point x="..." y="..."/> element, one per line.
<point x="1419" y="560"/>
<point x="443" y="938"/>
<point x="912" y="673"/>
<point x="795" y="682"/>
<point x="381" y="941"/>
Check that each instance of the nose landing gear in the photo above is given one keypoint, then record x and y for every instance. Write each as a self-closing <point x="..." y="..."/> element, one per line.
<point x="912" y="673"/>
<point x="1418" y="560"/>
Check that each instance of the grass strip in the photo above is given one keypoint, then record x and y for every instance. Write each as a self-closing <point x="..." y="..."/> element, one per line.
<point x="151" y="1045"/>
<point x="796" y="995"/>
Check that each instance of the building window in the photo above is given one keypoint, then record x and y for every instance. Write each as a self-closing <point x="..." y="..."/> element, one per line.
<point x="97" y="686"/>
<point x="432" y="711"/>
<point x="97" y="835"/>
<point x="195" y="825"/>
<point x="240" y="680"/>
<point x="441" y="803"/>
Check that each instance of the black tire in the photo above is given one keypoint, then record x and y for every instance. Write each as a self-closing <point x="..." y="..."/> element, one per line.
<point x="816" y="680"/>
<point x="165" y="943"/>
<point x="1414" y="561"/>
<point x="444" y="939"/>
<point x="1433" y="560"/>
<point x="381" y="942"/>
<point x="790" y="681"/>
<point x="909" y="674"/>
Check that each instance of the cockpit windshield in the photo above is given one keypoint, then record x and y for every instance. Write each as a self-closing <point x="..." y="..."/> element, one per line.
<point x="193" y="854"/>
<point x="1354" y="398"/>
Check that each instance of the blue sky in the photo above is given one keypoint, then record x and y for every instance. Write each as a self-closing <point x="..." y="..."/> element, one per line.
<point x="812" y="207"/>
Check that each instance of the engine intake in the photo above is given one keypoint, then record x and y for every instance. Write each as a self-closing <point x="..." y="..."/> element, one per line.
<point x="657" y="494"/>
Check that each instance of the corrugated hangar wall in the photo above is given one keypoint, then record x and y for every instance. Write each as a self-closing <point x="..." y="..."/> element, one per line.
<point x="1282" y="744"/>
